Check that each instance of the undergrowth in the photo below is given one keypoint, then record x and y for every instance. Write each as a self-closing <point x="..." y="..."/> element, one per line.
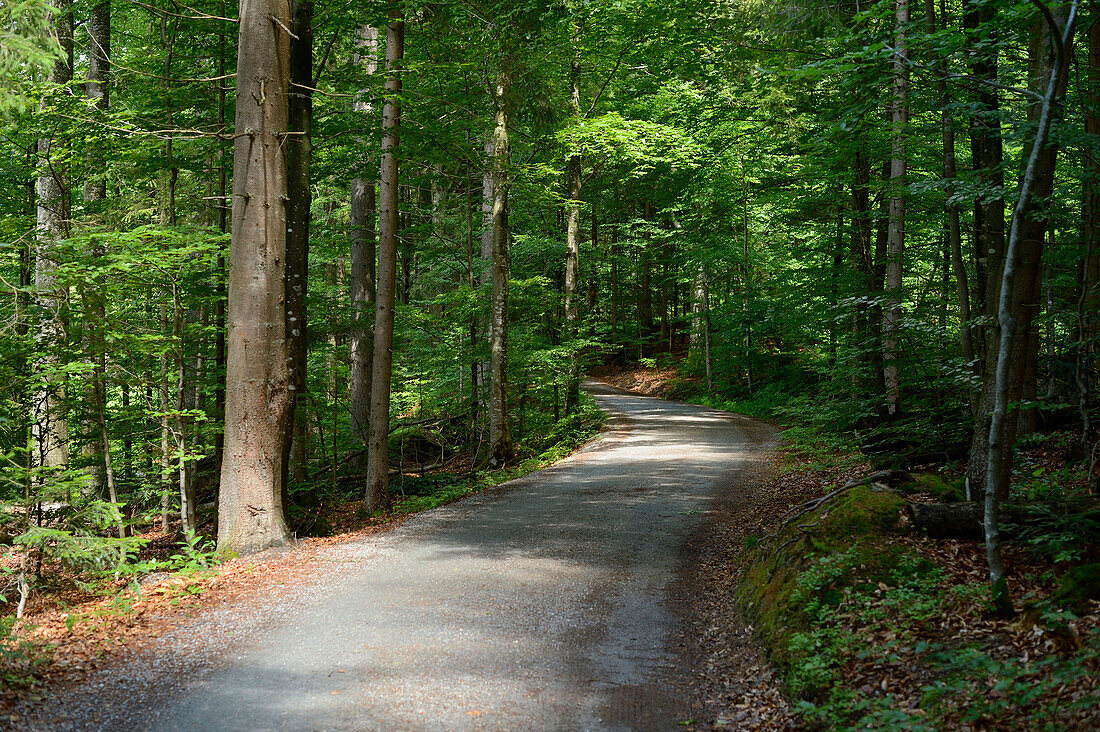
<point x="866" y="631"/>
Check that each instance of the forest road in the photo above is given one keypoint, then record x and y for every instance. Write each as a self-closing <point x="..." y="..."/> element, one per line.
<point x="553" y="602"/>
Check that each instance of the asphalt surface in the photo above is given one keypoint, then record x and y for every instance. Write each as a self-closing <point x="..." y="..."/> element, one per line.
<point x="548" y="603"/>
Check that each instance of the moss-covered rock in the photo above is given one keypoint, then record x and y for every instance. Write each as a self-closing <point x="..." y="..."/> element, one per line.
<point x="850" y="533"/>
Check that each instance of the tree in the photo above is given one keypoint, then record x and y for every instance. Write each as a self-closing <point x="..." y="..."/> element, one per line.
<point x="251" y="511"/>
<point x="378" y="443"/>
<point x="50" y="421"/>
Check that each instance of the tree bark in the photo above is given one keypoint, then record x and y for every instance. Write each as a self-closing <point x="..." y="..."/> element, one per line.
<point x="1019" y="283"/>
<point x="50" y="422"/>
<point x="363" y="210"/>
<point x="378" y="464"/>
<point x="98" y="88"/>
<point x="954" y="229"/>
<point x="500" y="435"/>
<point x="251" y="512"/>
<point x="573" y="221"/>
<point x="896" y="232"/>
<point x="299" y="202"/>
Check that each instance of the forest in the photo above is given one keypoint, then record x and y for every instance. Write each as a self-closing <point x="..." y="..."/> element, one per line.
<point x="273" y="272"/>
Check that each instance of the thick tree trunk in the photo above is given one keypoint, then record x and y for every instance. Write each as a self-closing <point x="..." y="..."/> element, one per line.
<point x="220" y="289"/>
<point x="378" y="463"/>
<point x="500" y="435"/>
<point x="50" y="423"/>
<point x="363" y="251"/>
<point x="299" y="202"/>
<point x="251" y="513"/>
<point x="896" y="232"/>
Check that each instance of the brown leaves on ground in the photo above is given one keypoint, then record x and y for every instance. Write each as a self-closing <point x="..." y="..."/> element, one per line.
<point x="647" y="381"/>
<point x="84" y="632"/>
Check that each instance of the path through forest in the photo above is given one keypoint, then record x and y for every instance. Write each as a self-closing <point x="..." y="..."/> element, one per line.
<point x="551" y="602"/>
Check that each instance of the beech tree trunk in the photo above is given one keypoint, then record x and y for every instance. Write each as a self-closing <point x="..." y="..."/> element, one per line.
<point x="251" y="512"/>
<point x="1025" y="292"/>
<point x="363" y="250"/>
<point x="50" y="425"/>
<point x="573" y="222"/>
<point x="378" y="464"/>
<point x="98" y="89"/>
<point x="1049" y="53"/>
<point x="896" y="232"/>
<point x="954" y="229"/>
<point x="500" y="435"/>
<point x="299" y="201"/>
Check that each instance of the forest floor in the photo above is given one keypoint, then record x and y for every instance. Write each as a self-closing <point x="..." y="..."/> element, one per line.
<point x="581" y="596"/>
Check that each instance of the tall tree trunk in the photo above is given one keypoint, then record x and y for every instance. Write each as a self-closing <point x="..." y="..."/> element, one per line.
<point x="573" y="220"/>
<point x="500" y="435"/>
<point x="864" y="260"/>
<point x="299" y="201"/>
<point x="251" y="513"/>
<point x="50" y="423"/>
<point x="98" y="89"/>
<point x="1089" y="297"/>
<point x="987" y="153"/>
<point x="1025" y="290"/>
<point x="220" y="289"/>
<point x="645" y="290"/>
<point x="1018" y="294"/>
<point x="363" y="253"/>
<point x="896" y="236"/>
<point x="954" y="229"/>
<point x="378" y="464"/>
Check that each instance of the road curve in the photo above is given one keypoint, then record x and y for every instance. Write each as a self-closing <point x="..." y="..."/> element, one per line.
<point x="545" y="604"/>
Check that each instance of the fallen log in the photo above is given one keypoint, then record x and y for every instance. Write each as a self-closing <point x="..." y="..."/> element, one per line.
<point x="963" y="520"/>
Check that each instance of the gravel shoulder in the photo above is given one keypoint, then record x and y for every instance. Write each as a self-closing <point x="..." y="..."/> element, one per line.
<point x="573" y="598"/>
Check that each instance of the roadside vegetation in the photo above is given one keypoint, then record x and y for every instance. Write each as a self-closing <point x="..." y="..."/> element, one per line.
<point x="871" y="622"/>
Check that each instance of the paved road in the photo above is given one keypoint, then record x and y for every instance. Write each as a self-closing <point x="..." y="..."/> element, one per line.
<point x="546" y="604"/>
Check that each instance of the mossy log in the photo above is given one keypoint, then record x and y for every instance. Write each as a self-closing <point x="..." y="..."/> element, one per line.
<point x="964" y="520"/>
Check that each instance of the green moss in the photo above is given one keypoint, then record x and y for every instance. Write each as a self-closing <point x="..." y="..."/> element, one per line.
<point x="1077" y="586"/>
<point x="938" y="488"/>
<point x="852" y="526"/>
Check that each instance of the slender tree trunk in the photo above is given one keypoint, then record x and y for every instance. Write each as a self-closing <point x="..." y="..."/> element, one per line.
<point x="573" y="220"/>
<point x="1049" y="52"/>
<point x="98" y="89"/>
<point x="954" y="229"/>
<point x="896" y="236"/>
<point x="165" y="431"/>
<point x="299" y="201"/>
<point x="500" y="435"/>
<point x="378" y="464"/>
<point x="186" y="483"/>
<point x="989" y="240"/>
<point x="645" y="291"/>
<point x="50" y="423"/>
<point x="1089" y="297"/>
<point x="251" y="513"/>
<point x="363" y="253"/>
